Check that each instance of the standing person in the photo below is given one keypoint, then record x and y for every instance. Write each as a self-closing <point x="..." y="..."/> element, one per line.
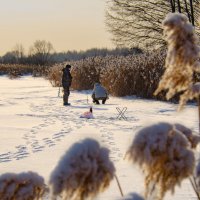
<point x="99" y="93"/>
<point x="66" y="83"/>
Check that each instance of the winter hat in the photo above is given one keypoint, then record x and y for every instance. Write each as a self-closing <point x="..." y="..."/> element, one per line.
<point x="68" y="66"/>
<point x="97" y="84"/>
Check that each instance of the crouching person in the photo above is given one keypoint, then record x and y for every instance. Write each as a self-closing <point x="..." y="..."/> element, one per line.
<point x="99" y="93"/>
<point x="66" y="83"/>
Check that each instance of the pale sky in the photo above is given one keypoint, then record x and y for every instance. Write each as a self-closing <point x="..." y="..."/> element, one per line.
<point x="67" y="24"/>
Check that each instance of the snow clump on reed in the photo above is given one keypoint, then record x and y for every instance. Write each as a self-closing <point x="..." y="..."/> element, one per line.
<point x="83" y="172"/>
<point x="26" y="186"/>
<point x="182" y="57"/>
<point x="164" y="154"/>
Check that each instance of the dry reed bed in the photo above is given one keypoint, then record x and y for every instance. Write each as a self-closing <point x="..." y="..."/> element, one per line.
<point x="131" y="75"/>
<point x="121" y="75"/>
<point x="17" y="70"/>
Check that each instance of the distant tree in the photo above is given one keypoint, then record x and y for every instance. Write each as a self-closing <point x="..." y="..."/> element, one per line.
<point x="75" y="55"/>
<point x="19" y="53"/>
<point x="41" y="52"/>
<point x="139" y="22"/>
<point x="9" y="58"/>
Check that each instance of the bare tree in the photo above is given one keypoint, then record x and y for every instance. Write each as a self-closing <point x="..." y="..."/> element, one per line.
<point x="41" y="52"/>
<point x="19" y="53"/>
<point x="139" y="22"/>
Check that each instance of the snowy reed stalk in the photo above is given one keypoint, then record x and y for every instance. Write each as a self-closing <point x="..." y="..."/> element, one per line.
<point x="195" y="181"/>
<point x="24" y="186"/>
<point x="195" y="186"/>
<point x="83" y="172"/>
<point x="182" y="57"/>
<point x="164" y="153"/>
<point x="181" y="63"/>
<point x="192" y="138"/>
<point x="194" y="92"/>
<point x="119" y="186"/>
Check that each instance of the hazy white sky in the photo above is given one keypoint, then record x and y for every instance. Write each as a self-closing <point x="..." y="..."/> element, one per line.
<point x="67" y="24"/>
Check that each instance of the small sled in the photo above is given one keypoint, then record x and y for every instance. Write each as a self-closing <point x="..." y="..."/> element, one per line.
<point x="88" y="114"/>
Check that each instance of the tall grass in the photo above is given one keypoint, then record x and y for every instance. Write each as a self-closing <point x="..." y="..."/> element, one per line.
<point x="120" y="75"/>
<point x="133" y="75"/>
<point x="17" y="70"/>
<point x="87" y="72"/>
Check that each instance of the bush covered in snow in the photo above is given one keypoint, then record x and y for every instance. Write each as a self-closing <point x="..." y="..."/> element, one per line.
<point x="26" y="186"/>
<point x="83" y="172"/>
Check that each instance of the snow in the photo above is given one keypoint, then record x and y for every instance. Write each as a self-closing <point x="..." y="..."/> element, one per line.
<point x="36" y="130"/>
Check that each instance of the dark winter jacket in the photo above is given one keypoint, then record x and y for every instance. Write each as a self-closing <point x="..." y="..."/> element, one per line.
<point x="66" y="78"/>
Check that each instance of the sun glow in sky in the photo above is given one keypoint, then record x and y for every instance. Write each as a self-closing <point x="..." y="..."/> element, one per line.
<point x="67" y="24"/>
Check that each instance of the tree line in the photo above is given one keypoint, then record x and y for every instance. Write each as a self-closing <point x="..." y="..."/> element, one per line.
<point x="139" y="22"/>
<point x="136" y="26"/>
<point x="42" y="52"/>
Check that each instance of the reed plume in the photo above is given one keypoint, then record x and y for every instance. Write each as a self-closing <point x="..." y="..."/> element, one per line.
<point x="182" y="57"/>
<point x="83" y="172"/>
<point x="26" y="186"/>
<point x="164" y="154"/>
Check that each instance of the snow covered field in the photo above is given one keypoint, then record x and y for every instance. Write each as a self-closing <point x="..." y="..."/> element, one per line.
<point x="36" y="129"/>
